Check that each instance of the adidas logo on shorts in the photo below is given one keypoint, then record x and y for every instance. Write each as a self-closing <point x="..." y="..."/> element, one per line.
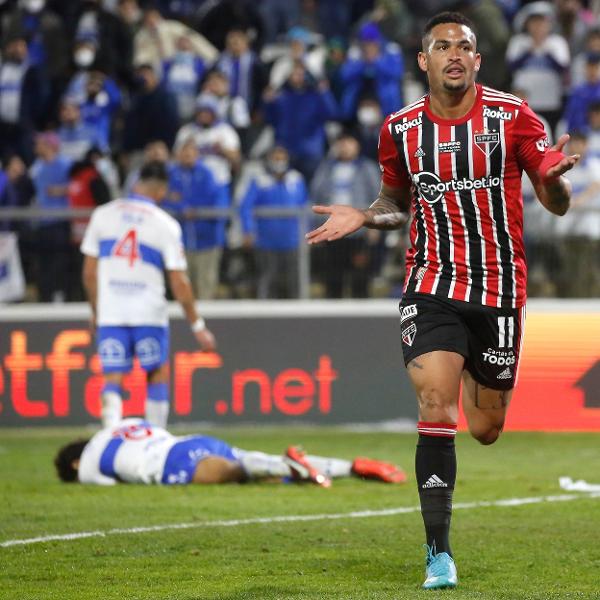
<point x="506" y="374"/>
<point x="434" y="481"/>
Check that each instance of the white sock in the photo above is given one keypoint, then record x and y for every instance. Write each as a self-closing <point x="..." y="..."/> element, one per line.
<point x="331" y="467"/>
<point x="112" y="411"/>
<point x="259" y="465"/>
<point x="157" y="412"/>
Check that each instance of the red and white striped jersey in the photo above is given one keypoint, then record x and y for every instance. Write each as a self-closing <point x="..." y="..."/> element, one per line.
<point x="467" y="209"/>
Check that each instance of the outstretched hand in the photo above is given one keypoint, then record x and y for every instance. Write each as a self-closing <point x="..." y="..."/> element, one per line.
<point x="206" y="340"/>
<point x="343" y="220"/>
<point x="567" y="163"/>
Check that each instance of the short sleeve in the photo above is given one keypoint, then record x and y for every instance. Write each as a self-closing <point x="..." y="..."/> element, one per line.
<point x="531" y="139"/>
<point x="90" y="245"/>
<point x="229" y="138"/>
<point x="174" y="252"/>
<point x="392" y="167"/>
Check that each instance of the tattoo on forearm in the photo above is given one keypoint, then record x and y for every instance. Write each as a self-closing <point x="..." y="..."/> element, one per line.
<point x="385" y="213"/>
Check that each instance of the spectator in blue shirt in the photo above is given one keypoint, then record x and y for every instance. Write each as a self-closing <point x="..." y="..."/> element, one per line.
<point x="583" y="95"/>
<point x="99" y="98"/>
<point x="298" y="114"/>
<point x="192" y="186"/>
<point x="274" y="239"/>
<point x="50" y="176"/>
<point x="182" y="76"/>
<point x="244" y="69"/>
<point x="23" y="94"/>
<point x="375" y="69"/>
<point x="349" y="178"/>
<point x="76" y="137"/>
<point x="47" y="42"/>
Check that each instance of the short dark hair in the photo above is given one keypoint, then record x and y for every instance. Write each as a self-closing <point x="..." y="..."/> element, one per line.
<point x="578" y="134"/>
<point x="446" y="17"/>
<point x="63" y="461"/>
<point x="154" y="170"/>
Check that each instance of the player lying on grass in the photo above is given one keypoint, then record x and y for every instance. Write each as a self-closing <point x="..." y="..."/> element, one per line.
<point x="136" y="452"/>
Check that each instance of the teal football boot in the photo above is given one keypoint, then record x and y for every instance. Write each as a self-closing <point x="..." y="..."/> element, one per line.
<point x="440" y="571"/>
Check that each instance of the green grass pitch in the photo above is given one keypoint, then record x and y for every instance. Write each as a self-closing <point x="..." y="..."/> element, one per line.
<point x="544" y="550"/>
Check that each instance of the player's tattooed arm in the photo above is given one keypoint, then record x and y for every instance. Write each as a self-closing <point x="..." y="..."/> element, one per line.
<point x="390" y="209"/>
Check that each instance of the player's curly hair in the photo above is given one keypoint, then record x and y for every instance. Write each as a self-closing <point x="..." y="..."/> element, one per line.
<point x="63" y="461"/>
<point x="447" y="17"/>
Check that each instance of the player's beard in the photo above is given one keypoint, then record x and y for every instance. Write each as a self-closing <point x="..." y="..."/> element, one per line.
<point x="455" y="87"/>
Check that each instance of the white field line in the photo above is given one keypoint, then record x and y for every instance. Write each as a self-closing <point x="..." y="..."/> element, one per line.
<point x="361" y="514"/>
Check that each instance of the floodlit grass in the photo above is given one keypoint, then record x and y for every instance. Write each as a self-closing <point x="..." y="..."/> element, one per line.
<point x="537" y="551"/>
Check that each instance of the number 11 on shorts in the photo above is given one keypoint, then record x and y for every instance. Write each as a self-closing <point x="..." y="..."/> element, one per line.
<point x="506" y="324"/>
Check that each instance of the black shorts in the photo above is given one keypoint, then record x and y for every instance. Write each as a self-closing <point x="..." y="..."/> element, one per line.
<point x="489" y="338"/>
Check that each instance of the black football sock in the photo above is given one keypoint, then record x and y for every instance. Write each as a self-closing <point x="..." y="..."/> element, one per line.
<point x="435" y="466"/>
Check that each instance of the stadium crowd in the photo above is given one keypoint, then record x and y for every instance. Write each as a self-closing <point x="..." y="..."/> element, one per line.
<point x="274" y="104"/>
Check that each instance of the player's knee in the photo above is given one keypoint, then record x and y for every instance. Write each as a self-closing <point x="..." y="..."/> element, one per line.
<point x="486" y="435"/>
<point x="436" y="406"/>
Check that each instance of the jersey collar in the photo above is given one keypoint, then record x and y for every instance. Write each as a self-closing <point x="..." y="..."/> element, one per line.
<point x="140" y="198"/>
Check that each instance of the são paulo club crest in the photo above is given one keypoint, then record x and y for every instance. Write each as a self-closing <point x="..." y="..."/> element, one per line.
<point x="487" y="141"/>
<point x="408" y="334"/>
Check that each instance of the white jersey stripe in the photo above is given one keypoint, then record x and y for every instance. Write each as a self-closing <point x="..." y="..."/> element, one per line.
<point x="493" y="92"/>
<point x="477" y="213"/>
<point x="417" y="104"/>
<point x="506" y="225"/>
<point x="494" y="225"/>
<point x="426" y="243"/>
<point x="465" y="230"/>
<point x="407" y="161"/>
<point x="499" y="99"/>
<point x="436" y="162"/>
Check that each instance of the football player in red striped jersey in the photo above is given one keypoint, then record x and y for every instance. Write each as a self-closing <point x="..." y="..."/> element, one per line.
<point x="452" y="163"/>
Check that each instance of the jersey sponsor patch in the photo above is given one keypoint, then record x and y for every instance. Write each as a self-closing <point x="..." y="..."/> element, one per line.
<point x="499" y="358"/>
<point x="406" y="125"/>
<point x="497" y="113"/>
<point x="432" y="188"/>
<point x="408" y="334"/>
<point x="447" y="147"/>
<point x="408" y="312"/>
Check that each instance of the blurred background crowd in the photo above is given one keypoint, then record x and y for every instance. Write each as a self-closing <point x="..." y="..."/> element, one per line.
<point x="261" y="108"/>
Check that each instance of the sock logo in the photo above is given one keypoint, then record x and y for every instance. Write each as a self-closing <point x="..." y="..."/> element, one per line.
<point x="433" y="482"/>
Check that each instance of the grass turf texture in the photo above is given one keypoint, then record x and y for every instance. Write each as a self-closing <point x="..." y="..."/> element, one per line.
<point x="539" y="551"/>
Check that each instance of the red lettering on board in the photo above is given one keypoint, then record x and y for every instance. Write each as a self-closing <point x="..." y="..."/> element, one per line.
<point x="19" y="363"/>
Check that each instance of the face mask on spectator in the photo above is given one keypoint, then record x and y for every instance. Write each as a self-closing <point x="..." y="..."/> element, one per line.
<point x="277" y="167"/>
<point x="184" y="56"/>
<point x="368" y="116"/>
<point x="84" y="57"/>
<point x="33" y="6"/>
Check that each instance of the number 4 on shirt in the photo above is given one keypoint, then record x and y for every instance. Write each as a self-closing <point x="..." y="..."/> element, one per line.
<point x="127" y="247"/>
